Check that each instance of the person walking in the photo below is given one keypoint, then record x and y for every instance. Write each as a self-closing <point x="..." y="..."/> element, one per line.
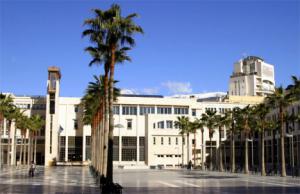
<point x="32" y="169"/>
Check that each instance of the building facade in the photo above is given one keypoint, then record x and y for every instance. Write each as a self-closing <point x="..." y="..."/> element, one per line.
<point x="252" y="76"/>
<point x="145" y="133"/>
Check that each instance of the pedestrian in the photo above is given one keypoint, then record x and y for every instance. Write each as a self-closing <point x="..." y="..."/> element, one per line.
<point x="31" y="169"/>
<point x="190" y="165"/>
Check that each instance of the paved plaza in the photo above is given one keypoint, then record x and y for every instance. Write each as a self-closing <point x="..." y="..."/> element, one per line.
<point x="79" y="180"/>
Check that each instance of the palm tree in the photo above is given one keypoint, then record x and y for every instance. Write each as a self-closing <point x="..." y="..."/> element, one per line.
<point x="21" y="123"/>
<point x="279" y="99"/>
<point x="112" y="31"/>
<point x="234" y="114"/>
<point x="245" y="120"/>
<point x="36" y="124"/>
<point x="222" y="121"/>
<point x="197" y="124"/>
<point x="294" y="89"/>
<point x="6" y="107"/>
<point x="92" y="111"/>
<point x="183" y="123"/>
<point x="210" y="121"/>
<point x="261" y="123"/>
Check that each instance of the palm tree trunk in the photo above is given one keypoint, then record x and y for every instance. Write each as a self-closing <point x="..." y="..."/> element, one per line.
<point x="106" y="125"/>
<point x="263" y="168"/>
<point x="273" y="151"/>
<point x="202" y="149"/>
<point x="182" y="147"/>
<point x="1" y="126"/>
<point x="111" y="115"/>
<point x="21" y="150"/>
<point x="188" y="147"/>
<point x="35" y="142"/>
<point x="194" y="152"/>
<point x="232" y="154"/>
<point x="246" y="154"/>
<point x="220" y="152"/>
<point x="211" y="158"/>
<point x="15" y="147"/>
<point x="283" y="169"/>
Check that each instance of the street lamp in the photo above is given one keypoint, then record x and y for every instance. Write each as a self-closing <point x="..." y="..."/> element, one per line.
<point x="292" y="150"/>
<point x="119" y="126"/>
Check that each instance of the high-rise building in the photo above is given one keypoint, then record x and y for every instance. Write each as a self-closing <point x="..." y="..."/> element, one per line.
<point x="252" y="76"/>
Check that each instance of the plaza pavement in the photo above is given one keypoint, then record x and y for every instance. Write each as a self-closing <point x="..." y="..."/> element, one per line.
<point x="79" y="180"/>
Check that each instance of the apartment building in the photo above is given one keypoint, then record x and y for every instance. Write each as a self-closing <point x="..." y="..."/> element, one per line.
<point x="252" y="76"/>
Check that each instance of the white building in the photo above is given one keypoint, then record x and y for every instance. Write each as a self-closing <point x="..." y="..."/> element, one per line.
<point x="252" y="76"/>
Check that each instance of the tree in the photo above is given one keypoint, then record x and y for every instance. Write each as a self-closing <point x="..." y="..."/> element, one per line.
<point x="36" y="123"/>
<point x="210" y="121"/>
<point x="114" y="31"/>
<point x="222" y="121"/>
<point x="183" y="123"/>
<point x="6" y="107"/>
<point x="279" y="99"/>
<point x="197" y="124"/>
<point x="245" y="120"/>
<point x="234" y="114"/>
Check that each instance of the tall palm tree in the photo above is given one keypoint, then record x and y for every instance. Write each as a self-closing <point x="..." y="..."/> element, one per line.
<point x="279" y="99"/>
<point x="199" y="124"/>
<point x="196" y="124"/>
<point x="109" y="28"/>
<point x="245" y="120"/>
<point x="223" y="121"/>
<point x="234" y="115"/>
<point x="6" y="107"/>
<point x="183" y="123"/>
<point x="210" y="121"/>
<point x="260" y="124"/>
<point x="37" y="123"/>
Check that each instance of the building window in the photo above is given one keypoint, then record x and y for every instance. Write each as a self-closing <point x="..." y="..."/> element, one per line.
<point x="75" y="124"/>
<point x="129" y="123"/>
<point x="116" y="148"/>
<point x="129" y="145"/>
<point x="183" y="141"/>
<point x="169" y="124"/>
<point x="153" y="125"/>
<point x="181" y="111"/>
<point x="162" y="140"/>
<point x="129" y="110"/>
<point x="169" y="140"/>
<point x="161" y="124"/>
<point x="164" y="110"/>
<point x="116" y="110"/>
<point x="154" y="141"/>
<point x="142" y="148"/>
<point x="193" y="141"/>
<point x="146" y="110"/>
<point x="76" y="108"/>
<point x="176" y="140"/>
<point x="193" y="112"/>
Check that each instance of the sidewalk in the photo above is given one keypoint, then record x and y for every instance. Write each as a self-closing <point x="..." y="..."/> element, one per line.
<point x="257" y="176"/>
<point x="12" y="169"/>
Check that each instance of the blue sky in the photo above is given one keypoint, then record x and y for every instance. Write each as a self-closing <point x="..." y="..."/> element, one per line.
<point x="188" y="46"/>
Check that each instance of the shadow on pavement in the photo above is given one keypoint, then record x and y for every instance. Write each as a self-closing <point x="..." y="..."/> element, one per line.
<point x="212" y="190"/>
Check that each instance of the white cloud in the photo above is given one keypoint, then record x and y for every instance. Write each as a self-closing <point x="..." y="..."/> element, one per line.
<point x="150" y="91"/>
<point x="178" y="87"/>
<point x="129" y="91"/>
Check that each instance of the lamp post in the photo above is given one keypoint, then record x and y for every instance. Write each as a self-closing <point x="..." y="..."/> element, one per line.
<point x="292" y="150"/>
<point x="119" y="126"/>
